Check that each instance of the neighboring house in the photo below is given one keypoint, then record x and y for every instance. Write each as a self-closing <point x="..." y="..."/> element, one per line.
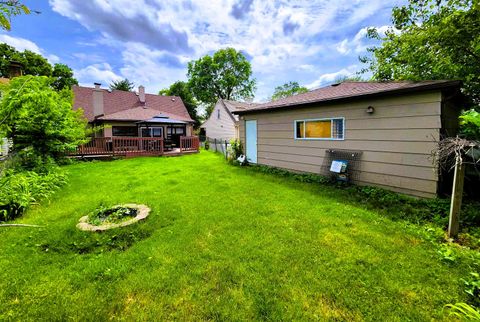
<point x="130" y="114"/>
<point x="393" y="124"/>
<point x="222" y="123"/>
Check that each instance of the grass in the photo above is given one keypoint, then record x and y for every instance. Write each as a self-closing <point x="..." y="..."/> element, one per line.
<point x="221" y="243"/>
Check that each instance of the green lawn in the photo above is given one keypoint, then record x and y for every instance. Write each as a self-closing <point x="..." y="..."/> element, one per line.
<point x="222" y="243"/>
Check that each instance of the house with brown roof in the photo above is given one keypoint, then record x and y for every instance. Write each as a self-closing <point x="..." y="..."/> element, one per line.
<point x="222" y="123"/>
<point x="383" y="132"/>
<point x="134" y="114"/>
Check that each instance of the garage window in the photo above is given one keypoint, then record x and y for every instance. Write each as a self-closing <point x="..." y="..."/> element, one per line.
<point x="320" y="129"/>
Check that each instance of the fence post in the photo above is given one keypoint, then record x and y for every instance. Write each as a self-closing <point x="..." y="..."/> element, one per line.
<point x="215" y="142"/>
<point x="456" y="202"/>
<point x="226" y="150"/>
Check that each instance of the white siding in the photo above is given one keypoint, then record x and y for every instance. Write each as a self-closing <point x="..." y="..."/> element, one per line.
<point x="222" y="127"/>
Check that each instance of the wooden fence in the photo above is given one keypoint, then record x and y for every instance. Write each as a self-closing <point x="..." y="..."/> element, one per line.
<point x="133" y="146"/>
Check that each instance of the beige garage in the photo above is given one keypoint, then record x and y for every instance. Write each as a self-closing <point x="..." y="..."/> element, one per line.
<point x="393" y="124"/>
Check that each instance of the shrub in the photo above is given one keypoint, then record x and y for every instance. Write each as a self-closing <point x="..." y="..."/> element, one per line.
<point x="18" y="190"/>
<point x="470" y="124"/>
<point x="472" y="287"/>
<point x="39" y="120"/>
<point x="236" y="149"/>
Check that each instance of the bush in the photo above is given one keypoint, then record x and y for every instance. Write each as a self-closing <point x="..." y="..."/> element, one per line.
<point x="236" y="149"/>
<point x="40" y="121"/>
<point x="19" y="190"/>
<point x="470" y="124"/>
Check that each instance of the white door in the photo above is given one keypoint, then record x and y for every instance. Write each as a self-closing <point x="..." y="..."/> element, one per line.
<point x="251" y="141"/>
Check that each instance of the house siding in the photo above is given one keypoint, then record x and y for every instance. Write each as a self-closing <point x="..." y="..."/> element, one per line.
<point x="396" y="140"/>
<point x="222" y="128"/>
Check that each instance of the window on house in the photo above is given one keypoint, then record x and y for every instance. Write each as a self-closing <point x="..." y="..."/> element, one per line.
<point x="176" y="129"/>
<point x="322" y="129"/>
<point x="218" y="114"/>
<point x="124" y="131"/>
<point x="180" y="130"/>
<point x="149" y="132"/>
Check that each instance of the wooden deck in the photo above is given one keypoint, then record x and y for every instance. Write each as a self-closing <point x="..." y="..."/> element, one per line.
<point x="133" y="147"/>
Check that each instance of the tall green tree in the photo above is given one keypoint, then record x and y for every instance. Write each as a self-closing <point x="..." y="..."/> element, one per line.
<point x="288" y="89"/>
<point x="434" y="39"/>
<point x="10" y="8"/>
<point x="122" y="85"/>
<point x="39" y="120"/>
<point x="182" y="90"/>
<point x="34" y="64"/>
<point x="227" y="75"/>
<point x="63" y="77"/>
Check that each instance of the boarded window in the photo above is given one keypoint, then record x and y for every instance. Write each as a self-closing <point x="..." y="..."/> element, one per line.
<point x="326" y="129"/>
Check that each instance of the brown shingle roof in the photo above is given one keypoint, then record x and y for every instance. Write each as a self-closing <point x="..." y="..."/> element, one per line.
<point x="349" y="90"/>
<point x="128" y="103"/>
<point x="234" y="105"/>
<point x="137" y="114"/>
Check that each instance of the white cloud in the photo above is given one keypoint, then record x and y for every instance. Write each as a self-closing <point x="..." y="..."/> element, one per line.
<point x="140" y="65"/>
<point x="359" y="43"/>
<point x="101" y="73"/>
<point x="282" y="39"/>
<point x="22" y="44"/>
<point x="275" y="34"/>
<point x="342" y="47"/>
<point x="152" y="68"/>
<point x="53" y="59"/>
<point x="305" y="67"/>
<point x="330" y="77"/>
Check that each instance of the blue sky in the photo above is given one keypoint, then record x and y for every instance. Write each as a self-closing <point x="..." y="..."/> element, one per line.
<point x="150" y="42"/>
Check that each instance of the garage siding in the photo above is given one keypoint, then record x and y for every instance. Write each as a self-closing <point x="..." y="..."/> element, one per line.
<point x="396" y="140"/>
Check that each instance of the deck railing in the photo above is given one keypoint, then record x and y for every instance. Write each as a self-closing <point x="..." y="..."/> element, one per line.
<point x="189" y="143"/>
<point x="137" y="146"/>
<point x="96" y="146"/>
<point x="132" y="146"/>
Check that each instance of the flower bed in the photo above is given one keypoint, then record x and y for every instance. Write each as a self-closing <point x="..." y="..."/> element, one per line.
<point x="113" y="217"/>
